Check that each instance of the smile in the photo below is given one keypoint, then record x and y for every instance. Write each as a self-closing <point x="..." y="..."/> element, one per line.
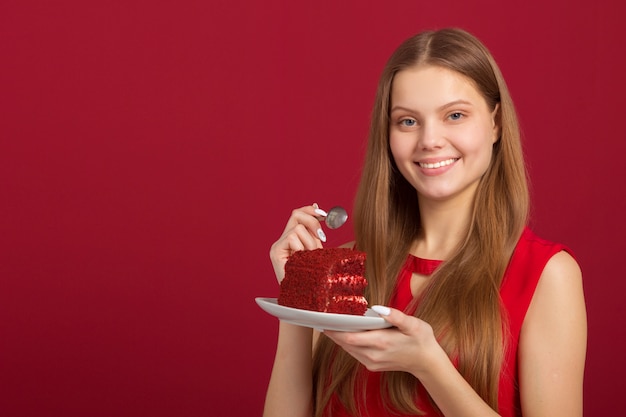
<point x="438" y="164"/>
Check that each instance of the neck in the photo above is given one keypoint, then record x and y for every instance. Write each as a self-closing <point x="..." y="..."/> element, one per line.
<point x="443" y="226"/>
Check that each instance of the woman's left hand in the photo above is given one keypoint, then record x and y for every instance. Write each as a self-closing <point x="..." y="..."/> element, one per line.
<point x="409" y="346"/>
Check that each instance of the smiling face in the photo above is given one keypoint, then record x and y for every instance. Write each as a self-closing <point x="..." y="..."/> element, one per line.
<point x="441" y="132"/>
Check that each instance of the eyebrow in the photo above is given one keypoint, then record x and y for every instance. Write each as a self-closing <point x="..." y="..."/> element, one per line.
<point x="445" y="106"/>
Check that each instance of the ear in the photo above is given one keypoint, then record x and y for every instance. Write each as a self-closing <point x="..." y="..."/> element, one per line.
<point x="496" y="119"/>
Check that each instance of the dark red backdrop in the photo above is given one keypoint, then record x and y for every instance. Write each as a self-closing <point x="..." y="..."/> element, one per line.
<point x="151" y="152"/>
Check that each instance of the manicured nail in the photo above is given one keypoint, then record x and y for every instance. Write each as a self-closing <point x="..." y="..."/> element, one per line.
<point x="321" y="235"/>
<point x="382" y="310"/>
<point x="320" y="212"/>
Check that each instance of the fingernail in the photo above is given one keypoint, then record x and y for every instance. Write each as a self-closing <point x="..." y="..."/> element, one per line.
<point x="321" y="235"/>
<point x="320" y="212"/>
<point x="382" y="310"/>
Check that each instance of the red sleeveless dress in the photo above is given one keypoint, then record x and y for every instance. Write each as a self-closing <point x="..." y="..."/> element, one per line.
<point x="518" y="286"/>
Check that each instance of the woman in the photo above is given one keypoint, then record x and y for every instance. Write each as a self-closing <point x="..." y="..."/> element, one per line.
<point x="488" y="319"/>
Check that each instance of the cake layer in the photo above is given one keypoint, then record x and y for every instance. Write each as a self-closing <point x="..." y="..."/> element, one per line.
<point x="327" y="280"/>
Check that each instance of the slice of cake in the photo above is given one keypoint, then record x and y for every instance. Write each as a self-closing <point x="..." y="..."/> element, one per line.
<point x="330" y="280"/>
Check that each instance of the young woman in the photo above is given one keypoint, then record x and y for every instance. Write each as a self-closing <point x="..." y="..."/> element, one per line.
<point x="488" y="319"/>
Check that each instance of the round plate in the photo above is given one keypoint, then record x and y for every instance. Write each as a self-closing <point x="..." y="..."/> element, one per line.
<point x="323" y="321"/>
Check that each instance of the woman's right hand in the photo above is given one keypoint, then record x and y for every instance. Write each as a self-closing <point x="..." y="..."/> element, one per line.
<point x="303" y="232"/>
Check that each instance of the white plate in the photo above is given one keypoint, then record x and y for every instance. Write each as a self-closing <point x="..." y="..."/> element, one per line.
<point x="323" y="321"/>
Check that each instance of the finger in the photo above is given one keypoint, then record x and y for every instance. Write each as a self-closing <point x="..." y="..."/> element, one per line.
<point x="299" y="238"/>
<point x="349" y="340"/>
<point x="297" y="215"/>
<point x="304" y="235"/>
<point x="395" y="317"/>
<point x="365" y="347"/>
<point x="295" y="240"/>
<point x="320" y="214"/>
<point x="306" y="216"/>
<point x="303" y="231"/>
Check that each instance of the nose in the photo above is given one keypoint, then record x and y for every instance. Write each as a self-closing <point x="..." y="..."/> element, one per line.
<point x="430" y="136"/>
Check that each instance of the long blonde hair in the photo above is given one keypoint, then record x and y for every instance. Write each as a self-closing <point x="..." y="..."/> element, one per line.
<point x="387" y="220"/>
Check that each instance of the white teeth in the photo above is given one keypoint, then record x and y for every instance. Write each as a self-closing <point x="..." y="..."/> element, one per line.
<point x="439" y="164"/>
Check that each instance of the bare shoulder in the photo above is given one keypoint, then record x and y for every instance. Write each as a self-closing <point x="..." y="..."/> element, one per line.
<point x="562" y="269"/>
<point x="559" y="291"/>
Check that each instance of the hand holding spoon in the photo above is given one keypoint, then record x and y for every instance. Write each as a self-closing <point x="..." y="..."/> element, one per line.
<point x="335" y="217"/>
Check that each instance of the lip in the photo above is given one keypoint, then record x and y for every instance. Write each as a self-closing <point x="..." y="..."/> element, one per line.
<point x="436" y="166"/>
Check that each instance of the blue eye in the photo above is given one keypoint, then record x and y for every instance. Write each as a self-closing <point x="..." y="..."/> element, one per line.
<point x="456" y="116"/>
<point x="408" y="122"/>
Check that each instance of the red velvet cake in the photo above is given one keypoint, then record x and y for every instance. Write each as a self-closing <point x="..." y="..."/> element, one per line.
<point x="330" y="280"/>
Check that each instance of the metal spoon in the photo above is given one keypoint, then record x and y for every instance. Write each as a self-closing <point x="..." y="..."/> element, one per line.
<point x="336" y="217"/>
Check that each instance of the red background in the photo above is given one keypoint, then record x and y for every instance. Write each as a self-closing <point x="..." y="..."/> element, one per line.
<point x="151" y="152"/>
